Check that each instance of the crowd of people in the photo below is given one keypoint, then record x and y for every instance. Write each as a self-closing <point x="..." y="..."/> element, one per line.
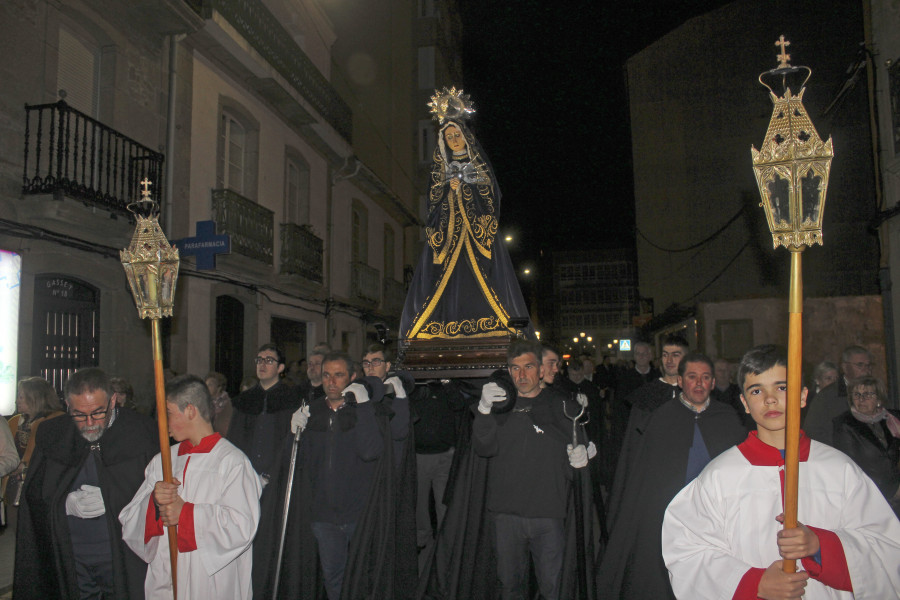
<point x="342" y="478"/>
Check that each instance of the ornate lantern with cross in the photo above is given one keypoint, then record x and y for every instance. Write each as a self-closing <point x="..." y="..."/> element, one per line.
<point x="793" y="163"/>
<point x="151" y="265"/>
<point x="792" y="168"/>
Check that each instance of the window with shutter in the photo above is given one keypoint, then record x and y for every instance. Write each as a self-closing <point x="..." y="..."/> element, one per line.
<point x="77" y="71"/>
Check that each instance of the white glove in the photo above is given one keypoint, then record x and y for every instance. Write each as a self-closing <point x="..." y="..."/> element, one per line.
<point x="399" y="391"/>
<point x="358" y="390"/>
<point x="85" y="503"/>
<point x="591" y="450"/>
<point x="578" y="456"/>
<point x="300" y="418"/>
<point x="581" y="399"/>
<point x="490" y="394"/>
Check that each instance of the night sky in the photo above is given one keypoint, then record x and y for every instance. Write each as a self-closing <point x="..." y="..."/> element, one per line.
<point x="548" y="83"/>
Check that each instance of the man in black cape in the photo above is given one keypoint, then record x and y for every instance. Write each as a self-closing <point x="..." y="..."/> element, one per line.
<point x="463" y="563"/>
<point x="381" y="561"/>
<point x="663" y="452"/>
<point x="261" y="416"/>
<point x="67" y="541"/>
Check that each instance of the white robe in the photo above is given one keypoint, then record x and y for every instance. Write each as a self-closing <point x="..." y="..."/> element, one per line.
<point x="723" y="523"/>
<point x="224" y="490"/>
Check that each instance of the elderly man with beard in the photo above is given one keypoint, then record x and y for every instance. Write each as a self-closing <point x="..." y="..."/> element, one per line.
<point x="85" y="468"/>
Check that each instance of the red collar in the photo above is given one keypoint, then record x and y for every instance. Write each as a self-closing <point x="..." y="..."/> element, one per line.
<point x="761" y="454"/>
<point x="205" y="445"/>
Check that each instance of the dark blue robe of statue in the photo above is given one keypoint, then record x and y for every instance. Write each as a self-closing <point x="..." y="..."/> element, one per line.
<point x="464" y="285"/>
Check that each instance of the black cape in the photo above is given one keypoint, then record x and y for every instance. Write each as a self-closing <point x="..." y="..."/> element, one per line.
<point x="463" y="559"/>
<point x="382" y="557"/>
<point x="280" y="400"/>
<point x="652" y="470"/>
<point x="44" y="564"/>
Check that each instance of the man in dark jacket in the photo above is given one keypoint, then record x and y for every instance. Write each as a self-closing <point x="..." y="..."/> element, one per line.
<point x="530" y="452"/>
<point x="262" y="415"/>
<point x="663" y="453"/>
<point x="341" y="446"/>
<point x="85" y="468"/>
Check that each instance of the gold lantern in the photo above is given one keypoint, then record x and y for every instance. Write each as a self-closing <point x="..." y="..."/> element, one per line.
<point x="793" y="164"/>
<point x="151" y="265"/>
<point x="150" y="262"/>
<point x="792" y="170"/>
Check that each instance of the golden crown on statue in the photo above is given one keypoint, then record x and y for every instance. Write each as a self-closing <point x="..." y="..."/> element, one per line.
<point x="451" y="105"/>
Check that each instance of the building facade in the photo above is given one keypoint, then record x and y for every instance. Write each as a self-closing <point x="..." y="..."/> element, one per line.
<point x="292" y="125"/>
<point x="594" y="299"/>
<point x="696" y="109"/>
<point x="883" y="82"/>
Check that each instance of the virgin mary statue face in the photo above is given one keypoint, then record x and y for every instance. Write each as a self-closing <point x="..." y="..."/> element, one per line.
<point x="454" y="138"/>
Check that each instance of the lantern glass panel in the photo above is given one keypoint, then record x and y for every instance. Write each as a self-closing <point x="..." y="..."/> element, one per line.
<point x="779" y="201"/>
<point x="143" y="285"/>
<point x="810" y="194"/>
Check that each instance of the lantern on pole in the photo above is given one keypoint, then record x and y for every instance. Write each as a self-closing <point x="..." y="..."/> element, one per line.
<point x="792" y="168"/>
<point x="151" y="266"/>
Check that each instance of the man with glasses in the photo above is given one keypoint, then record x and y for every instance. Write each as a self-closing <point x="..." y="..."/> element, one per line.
<point x="832" y="401"/>
<point x="84" y="470"/>
<point x="261" y="416"/>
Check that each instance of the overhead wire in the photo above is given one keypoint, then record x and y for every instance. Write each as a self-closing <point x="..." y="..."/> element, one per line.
<point x="706" y="240"/>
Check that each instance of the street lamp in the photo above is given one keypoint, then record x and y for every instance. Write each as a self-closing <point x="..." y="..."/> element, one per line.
<point x="792" y="168"/>
<point x="151" y="266"/>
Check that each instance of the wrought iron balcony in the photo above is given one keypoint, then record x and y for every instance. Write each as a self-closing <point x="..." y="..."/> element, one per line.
<point x="251" y="226"/>
<point x="365" y="283"/>
<point x="393" y="298"/>
<point x="265" y="33"/>
<point x="301" y="252"/>
<point x="68" y="152"/>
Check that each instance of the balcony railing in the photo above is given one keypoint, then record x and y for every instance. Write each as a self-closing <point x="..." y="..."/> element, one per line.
<point x="250" y="225"/>
<point x="301" y="252"/>
<point x="68" y="152"/>
<point x="267" y="36"/>
<point x="394" y="296"/>
<point x="365" y="283"/>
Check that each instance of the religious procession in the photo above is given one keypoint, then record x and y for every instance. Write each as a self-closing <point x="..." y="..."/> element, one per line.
<point x="355" y="437"/>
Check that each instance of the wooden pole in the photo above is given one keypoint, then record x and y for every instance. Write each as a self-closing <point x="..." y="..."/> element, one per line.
<point x="164" y="450"/>
<point x="794" y="387"/>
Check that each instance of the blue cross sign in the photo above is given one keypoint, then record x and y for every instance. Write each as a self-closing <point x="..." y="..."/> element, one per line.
<point x="205" y="245"/>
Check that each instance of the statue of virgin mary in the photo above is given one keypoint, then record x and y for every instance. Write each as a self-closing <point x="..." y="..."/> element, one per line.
<point x="464" y="284"/>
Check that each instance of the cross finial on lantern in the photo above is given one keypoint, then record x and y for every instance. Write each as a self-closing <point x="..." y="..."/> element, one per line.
<point x="784" y="57"/>
<point x="145" y="193"/>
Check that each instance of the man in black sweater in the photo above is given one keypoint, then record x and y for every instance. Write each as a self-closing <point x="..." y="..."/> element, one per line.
<point x="530" y="451"/>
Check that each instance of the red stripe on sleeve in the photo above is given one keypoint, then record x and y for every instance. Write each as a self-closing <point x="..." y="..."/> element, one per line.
<point x="152" y="526"/>
<point x="833" y="571"/>
<point x="186" y="540"/>
<point x="748" y="588"/>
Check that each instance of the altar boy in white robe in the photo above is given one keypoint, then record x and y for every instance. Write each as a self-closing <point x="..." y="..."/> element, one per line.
<point x="722" y="534"/>
<point x="214" y="501"/>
